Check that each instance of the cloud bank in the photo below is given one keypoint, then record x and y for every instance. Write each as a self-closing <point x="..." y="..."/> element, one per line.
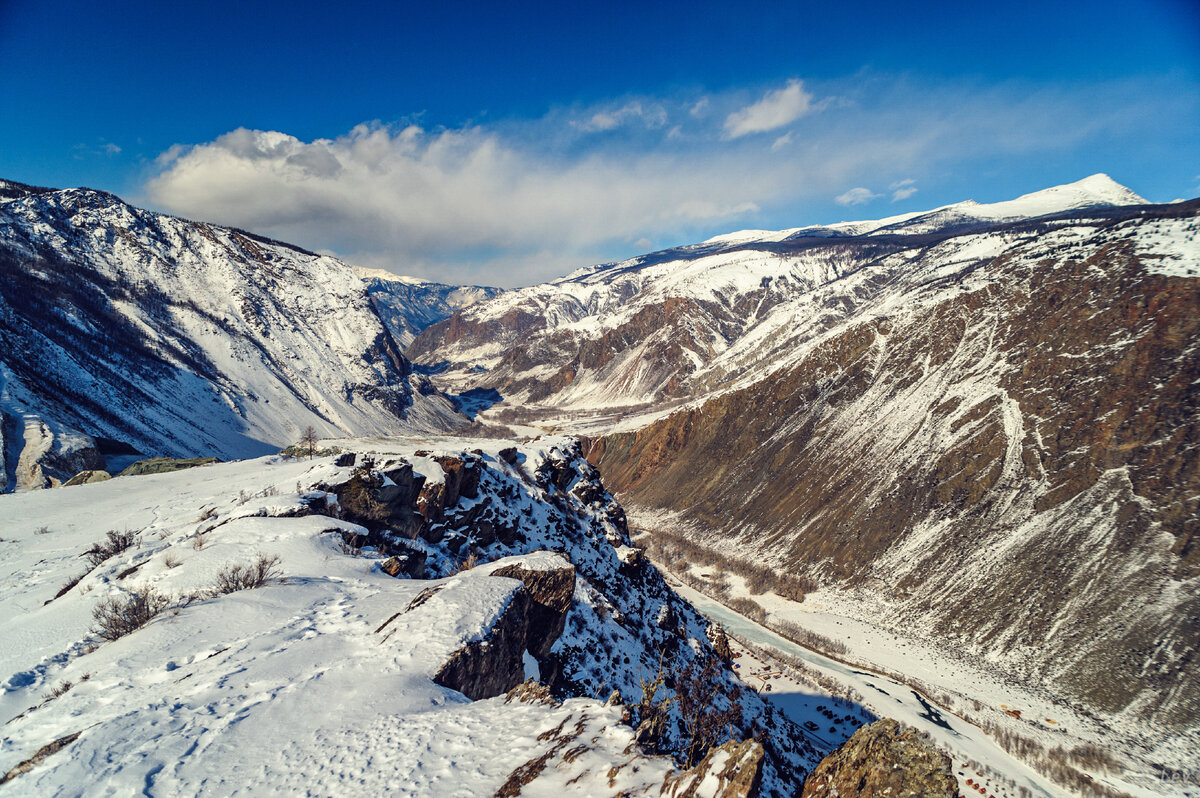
<point x="522" y="200"/>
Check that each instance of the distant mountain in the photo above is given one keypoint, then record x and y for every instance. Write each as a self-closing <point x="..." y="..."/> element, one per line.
<point x="983" y="420"/>
<point x="408" y="305"/>
<point x="682" y="323"/>
<point x="123" y="330"/>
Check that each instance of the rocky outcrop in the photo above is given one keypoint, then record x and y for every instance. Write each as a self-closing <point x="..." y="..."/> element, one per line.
<point x="883" y="760"/>
<point x="87" y="477"/>
<point x="494" y="665"/>
<point x="732" y="770"/>
<point x="163" y="465"/>
<point x="532" y="622"/>
<point x="550" y="591"/>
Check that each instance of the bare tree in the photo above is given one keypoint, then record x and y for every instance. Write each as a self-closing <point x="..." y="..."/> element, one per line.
<point x="309" y="439"/>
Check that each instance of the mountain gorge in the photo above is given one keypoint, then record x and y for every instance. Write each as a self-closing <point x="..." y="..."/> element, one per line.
<point x="976" y="427"/>
<point x="981" y="421"/>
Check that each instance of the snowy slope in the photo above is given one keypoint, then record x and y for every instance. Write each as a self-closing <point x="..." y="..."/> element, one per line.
<point x="680" y="324"/>
<point x="322" y="681"/>
<point x="407" y="305"/>
<point x="182" y="338"/>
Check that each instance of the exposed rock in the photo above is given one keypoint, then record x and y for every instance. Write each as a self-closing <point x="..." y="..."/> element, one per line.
<point x="883" y="760"/>
<point x="345" y="459"/>
<point x="495" y="665"/>
<point x="410" y="564"/>
<point x="87" y="477"/>
<point x="550" y="593"/>
<point x="732" y="770"/>
<point x="162" y="465"/>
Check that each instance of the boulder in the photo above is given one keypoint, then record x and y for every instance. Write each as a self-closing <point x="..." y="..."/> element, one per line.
<point x="87" y="477"/>
<point x="884" y="759"/>
<point x="492" y="666"/>
<point x="732" y="770"/>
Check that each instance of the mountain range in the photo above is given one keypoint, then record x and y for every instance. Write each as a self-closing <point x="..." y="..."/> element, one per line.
<point x="977" y="426"/>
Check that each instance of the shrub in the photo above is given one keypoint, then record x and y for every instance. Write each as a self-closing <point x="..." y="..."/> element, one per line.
<point x="115" y="543"/>
<point x="242" y="576"/>
<point x="70" y="583"/>
<point x="117" y="616"/>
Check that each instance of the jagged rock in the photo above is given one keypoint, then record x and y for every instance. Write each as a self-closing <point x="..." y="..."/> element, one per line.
<point x="550" y="592"/>
<point x="531" y="622"/>
<point x="410" y="564"/>
<point x="732" y="770"/>
<point x="87" y="477"/>
<point x="495" y="665"/>
<point x="883" y="759"/>
<point x="345" y="459"/>
<point x="508" y="455"/>
<point x="720" y="643"/>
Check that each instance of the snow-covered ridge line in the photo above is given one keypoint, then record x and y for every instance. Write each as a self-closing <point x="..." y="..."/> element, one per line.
<point x="180" y="338"/>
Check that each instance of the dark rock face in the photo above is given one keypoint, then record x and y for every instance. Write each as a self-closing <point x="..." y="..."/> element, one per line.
<point x="550" y="593"/>
<point x="883" y="759"/>
<point x="493" y="666"/>
<point x="532" y="622"/>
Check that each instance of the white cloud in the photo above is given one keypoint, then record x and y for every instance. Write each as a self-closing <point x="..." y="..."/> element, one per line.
<point x="776" y="109"/>
<point x="521" y="200"/>
<point x="423" y="199"/>
<point x="856" y="196"/>
<point x="653" y="116"/>
<point x="903" y="189"/>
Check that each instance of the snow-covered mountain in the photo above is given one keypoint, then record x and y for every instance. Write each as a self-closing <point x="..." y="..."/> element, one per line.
<point x="172" y="337"/>
<point x="981" y="421"/>
<point x="334" y="676"/>
<point x="408" y="305"/>
<point x="682" y="323"/>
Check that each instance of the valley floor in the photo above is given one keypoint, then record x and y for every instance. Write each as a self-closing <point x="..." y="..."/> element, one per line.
<point x="965" y="704"/>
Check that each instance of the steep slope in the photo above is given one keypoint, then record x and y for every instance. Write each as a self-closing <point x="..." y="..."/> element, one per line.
<point x="1017" y="430"/>
<point x="407" y="305"/>
<point x="984" y="428"/>
<point x="172" y="337"/>
<point x="335" y="677"/>
<point x="683" y="323"/>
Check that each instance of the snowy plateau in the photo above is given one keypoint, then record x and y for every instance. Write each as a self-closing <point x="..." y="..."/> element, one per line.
<point x="689" y="524"/>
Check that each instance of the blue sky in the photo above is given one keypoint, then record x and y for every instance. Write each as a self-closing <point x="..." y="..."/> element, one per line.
<point x="509" y="143"/>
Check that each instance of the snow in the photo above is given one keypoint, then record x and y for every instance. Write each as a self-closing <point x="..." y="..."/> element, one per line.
<point x="319" y="682"/>
<point x="231" y="345"/>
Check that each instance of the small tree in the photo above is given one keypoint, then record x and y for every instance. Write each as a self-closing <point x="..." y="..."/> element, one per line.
<point x="309" y="440"/>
